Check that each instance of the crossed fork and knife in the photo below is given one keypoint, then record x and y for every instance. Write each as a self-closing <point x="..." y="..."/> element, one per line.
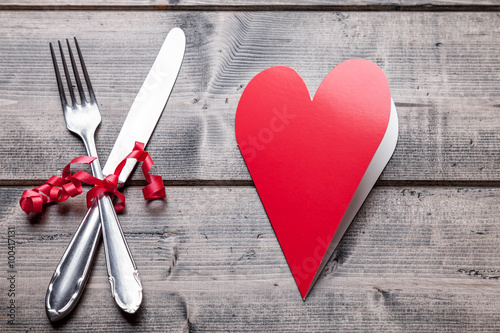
<point x="82" y="117"/>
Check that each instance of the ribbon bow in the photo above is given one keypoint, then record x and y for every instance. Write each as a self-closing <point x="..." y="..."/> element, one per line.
<point x="58" y="189"/>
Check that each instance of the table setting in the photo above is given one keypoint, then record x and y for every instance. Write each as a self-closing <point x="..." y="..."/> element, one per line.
<point x="235" y="166"/>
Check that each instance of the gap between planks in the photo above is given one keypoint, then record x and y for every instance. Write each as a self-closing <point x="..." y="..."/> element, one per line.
<point x="249" y="183"/>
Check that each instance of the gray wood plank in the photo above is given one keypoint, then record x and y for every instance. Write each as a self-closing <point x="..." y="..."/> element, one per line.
<point x="249" y="4"/>
<point x="443" y="69"/>
<point x="418" y="259"/>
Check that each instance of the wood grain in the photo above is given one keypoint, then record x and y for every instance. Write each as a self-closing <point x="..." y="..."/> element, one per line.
<point x="256" y="4"/>
<point x="210" y="262"/>
<point x="443" y="70"/>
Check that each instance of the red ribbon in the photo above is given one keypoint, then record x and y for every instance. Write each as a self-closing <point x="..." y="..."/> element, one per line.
<point x="58" y="189"/>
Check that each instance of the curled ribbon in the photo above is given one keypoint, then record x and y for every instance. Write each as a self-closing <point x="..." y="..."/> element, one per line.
<point x="58" y="189"/>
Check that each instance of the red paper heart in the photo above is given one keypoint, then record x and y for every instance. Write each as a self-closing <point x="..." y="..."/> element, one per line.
<point x="306" y="157"/>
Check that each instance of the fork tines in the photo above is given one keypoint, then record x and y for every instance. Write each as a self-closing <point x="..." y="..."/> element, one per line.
<point x="76" y="76"/>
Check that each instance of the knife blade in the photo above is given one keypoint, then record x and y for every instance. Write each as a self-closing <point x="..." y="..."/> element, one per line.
<point x="71" y="274"/>
<point x="152" y="97"/>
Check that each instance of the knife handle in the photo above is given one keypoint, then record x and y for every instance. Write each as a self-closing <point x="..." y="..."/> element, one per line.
<point x="126" y="286"/>
<point x="71" y="275"/>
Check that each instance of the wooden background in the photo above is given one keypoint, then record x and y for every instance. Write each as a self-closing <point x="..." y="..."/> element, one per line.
<point x="423" y="253"/>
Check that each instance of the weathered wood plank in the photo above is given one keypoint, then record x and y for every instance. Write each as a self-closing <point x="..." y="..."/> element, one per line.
<point x="210" y="262"/>
<point x="443" y="69"/>
<point x="249" y="4"/>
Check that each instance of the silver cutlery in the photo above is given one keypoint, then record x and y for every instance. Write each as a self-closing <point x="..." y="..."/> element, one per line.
<point x="66" y="286"/>
<point x="83" y="119"/>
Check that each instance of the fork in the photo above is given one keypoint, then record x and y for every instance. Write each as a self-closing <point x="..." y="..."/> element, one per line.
<point x="72" y="273"/>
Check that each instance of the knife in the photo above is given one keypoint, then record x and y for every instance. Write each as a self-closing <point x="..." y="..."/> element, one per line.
<point x="71" y="275"/>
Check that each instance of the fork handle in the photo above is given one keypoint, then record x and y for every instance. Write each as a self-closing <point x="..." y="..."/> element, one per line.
<point x="126" y="286"/>
<point x="124" y="279"/>
<point x="72" y="273"/>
